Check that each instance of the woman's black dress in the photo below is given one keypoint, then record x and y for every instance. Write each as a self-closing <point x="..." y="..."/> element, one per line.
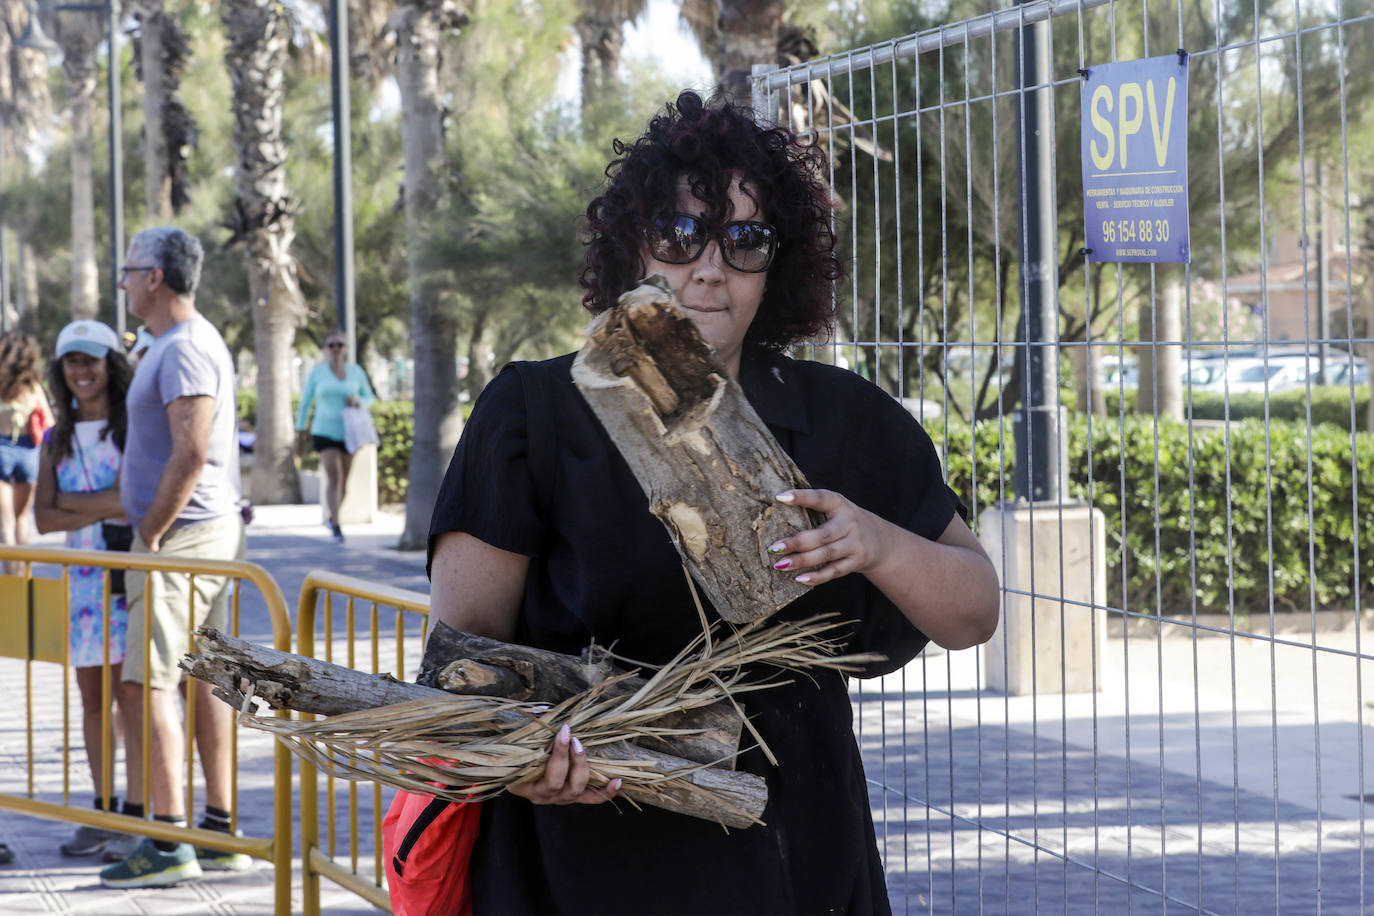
<point x="604" y="569"/>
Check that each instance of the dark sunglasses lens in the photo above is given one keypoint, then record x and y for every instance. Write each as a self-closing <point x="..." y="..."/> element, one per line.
<point x="749" y="246"/>
<point x="334" y="345"/>
<point x="677" y="240"/>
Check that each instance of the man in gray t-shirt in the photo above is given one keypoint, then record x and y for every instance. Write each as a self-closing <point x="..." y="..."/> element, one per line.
<point x="189" y="360"/>
<point x="179" y="484"/>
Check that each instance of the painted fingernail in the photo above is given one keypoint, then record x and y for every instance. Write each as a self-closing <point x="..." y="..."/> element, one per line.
<point x="577" y="747"/>
<point x="564" y="734"/>
<point x="779" y="547"/>
<point x="783" y="564"/>
<point x="786" y="497"/>
<point x="614" y="786"/>
<point x="803" y="579"/>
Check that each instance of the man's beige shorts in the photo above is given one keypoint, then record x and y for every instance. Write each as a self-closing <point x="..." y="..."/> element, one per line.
<point x="174" y="615"/>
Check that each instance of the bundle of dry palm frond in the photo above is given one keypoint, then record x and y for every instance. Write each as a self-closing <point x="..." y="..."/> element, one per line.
<point x="470" y="748"/>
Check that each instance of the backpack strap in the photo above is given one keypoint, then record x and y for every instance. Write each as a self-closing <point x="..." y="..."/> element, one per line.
<point x="536" y="380"/>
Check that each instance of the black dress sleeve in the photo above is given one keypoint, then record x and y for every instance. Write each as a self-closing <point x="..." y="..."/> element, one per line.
<point x="903" y="483"/>
<point x="487" y="491"/>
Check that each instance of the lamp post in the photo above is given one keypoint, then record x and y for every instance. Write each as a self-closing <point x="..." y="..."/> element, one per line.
<point x="343" y="175"/>
<point x="35" y="38"/>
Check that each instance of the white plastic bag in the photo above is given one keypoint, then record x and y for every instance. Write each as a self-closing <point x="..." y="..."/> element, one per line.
<point x="358" y="429"/>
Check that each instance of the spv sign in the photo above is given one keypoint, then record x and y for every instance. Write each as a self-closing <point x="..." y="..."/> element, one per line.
<point x="1135" y="160"/>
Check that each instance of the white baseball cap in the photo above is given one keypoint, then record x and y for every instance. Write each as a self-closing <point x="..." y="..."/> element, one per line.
<point x="86" y="336"/>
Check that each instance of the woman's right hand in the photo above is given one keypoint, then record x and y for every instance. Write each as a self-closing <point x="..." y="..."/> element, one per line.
<point x="564" y="780"/>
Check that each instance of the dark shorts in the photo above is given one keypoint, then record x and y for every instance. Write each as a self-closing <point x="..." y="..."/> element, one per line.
<point x="18" y="460"/>
<point x="323" y="442"/>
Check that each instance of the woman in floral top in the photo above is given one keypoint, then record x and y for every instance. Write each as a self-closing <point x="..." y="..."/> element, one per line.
<point x="78" y="493"/>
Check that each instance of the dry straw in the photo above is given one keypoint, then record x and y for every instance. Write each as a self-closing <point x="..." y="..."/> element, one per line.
<point x="470" y="748"/>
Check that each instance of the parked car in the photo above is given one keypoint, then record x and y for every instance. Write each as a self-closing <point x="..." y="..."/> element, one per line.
<point x="1119" y="372"/>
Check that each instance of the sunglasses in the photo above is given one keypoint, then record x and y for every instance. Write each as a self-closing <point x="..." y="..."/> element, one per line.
<point x="125" y="271"/>
<point x="680" y="238"/>
<point x="334" y="344"/>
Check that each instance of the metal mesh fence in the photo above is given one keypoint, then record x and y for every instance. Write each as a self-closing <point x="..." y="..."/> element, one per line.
<point x="1206" y="568"/>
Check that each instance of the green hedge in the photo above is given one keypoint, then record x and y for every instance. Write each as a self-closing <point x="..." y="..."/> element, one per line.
<point x="396" y="428"/>
<point x="1224" y="489"/>
<point x="1330" y="404"/>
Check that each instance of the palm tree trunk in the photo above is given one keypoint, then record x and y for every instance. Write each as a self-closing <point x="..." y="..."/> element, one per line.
<point x="1160" y="387"/>
<point x="438" y="420"/>
<point x="257" y="35"/>
<point x="749" y="35"/>
<point x="158" y="178"/>
<point x="78" y="37"/>
<point x="25" y="111"/>
<point x="734" y="35"/>
<point x="169" y="130"/>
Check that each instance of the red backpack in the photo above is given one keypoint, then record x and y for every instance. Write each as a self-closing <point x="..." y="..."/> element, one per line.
<point x="427" y="845"/>
<point x="426" y="841"/>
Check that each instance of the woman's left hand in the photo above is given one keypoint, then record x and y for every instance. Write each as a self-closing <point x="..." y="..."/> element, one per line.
<point x="850" y="540"/>
<point x="351" y="401"/>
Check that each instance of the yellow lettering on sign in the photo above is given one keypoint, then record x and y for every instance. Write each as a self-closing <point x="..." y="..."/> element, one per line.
<point x="1104" y="127"/>
<point x="1161" y="137"/>
<point x="1128" y="124"/>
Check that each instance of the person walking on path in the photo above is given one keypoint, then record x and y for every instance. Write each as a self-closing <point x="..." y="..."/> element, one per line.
<point x="77" y="492"/>
<point x="24" y="416"/>
<point x="331" y="386"/>
<point x="180" y="489"/>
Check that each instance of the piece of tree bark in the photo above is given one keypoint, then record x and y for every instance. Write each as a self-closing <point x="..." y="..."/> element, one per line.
<point x="283" y="680"/>
<point x="707" y="462"/>
<point x="459" y="662"/>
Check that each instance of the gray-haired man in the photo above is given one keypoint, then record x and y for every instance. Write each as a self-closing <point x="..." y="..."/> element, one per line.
<point x="179" y="484"/>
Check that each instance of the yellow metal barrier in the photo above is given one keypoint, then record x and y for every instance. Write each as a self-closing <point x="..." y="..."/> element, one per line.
<point x="39" y="634"/>
<point x="317" y="862"/>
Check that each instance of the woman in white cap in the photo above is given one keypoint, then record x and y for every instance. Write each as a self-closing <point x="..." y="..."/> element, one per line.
<point x="24" y="416"/>
<point x="78" y="493"/>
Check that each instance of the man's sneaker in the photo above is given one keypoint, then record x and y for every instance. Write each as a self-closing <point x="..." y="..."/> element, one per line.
<point x="120" y="847"/>
<point x="151" y="867"/>
<point x="87" y="841"/>
<point x="219" y="860"/>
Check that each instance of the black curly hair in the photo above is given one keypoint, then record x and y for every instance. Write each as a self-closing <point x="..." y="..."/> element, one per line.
<point x="118" y="376"/>
<point x="709" y="145"/>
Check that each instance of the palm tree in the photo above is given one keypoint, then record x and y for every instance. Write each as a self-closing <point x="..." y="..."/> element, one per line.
<point x="79" y="34"/>
<point x="369" y="41"/>
<point x="600" y="28"/>
<point x="258" y="35"/>
<point x="25" y="108"/>
<point x="734" y="35"/>
<point x="168" y="127"/>
<point x="420" y="27"/>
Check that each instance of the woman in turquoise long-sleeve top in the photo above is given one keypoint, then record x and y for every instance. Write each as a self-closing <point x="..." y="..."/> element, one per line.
<point x="329" y="388"/>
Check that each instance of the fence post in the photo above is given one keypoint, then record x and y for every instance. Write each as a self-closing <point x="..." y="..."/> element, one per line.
<point x="1050" y="555"/>
<point x="1041" y="475"/>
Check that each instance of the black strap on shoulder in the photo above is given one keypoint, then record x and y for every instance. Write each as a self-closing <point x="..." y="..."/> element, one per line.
<point x="536" y="380"/>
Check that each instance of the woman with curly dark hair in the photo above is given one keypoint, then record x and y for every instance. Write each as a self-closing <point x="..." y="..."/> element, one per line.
<point x="737" y="218"/>
<point x="24" y="416"/>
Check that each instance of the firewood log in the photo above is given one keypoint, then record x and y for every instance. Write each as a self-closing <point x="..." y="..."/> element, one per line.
<point x="707" y="462"/>
<point x="283" y="680"/>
